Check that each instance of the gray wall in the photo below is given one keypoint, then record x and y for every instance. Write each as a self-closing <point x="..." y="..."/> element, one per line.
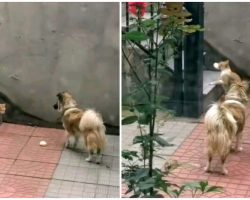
<point x="46" y="48"/>
<point x="228" y="31"/>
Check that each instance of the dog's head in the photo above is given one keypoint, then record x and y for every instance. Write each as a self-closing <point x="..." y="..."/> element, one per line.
<point x="64" y="101"/>
<point x="222" y="65"/>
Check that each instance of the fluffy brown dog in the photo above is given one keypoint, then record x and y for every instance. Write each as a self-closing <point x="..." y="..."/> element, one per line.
<point x="224" y="121"/>
<point x="82" y="123"/>
<point x="227" y="76"/>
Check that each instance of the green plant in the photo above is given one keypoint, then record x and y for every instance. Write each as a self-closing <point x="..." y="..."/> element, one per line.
<point x="153" y="37"/>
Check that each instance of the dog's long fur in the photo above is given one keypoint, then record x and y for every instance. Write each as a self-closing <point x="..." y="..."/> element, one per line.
<point x="238" y="92"/>
<point x="224" y="121"/>
<point x="82" y="123"/>
<point x="227" y="76"/>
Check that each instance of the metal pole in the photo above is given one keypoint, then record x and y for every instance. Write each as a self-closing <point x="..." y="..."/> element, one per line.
<point x="193" y="64"/>
<point x="127" y="17"/>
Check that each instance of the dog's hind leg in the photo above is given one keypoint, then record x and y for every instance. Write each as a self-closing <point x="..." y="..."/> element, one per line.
<point x="98" y="156"/>
<point x="89" y="159"/>
<point x="238" y="146"/>
<point x="208" y="165"/>
<point x="76" y="141"/>
<point x="67" y="143"/>
<point x="223" y="168"/>
<point x="70" y="141"/>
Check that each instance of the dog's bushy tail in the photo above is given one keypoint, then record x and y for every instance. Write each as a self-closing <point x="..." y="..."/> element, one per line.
<point x="92" y="123"/>
<point x="221" y="127"/>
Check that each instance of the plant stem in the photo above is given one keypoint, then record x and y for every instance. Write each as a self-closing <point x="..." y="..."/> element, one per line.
<point x="152" y="117"/>
<point x="144" y="155"/>
<point x="152" y="124"/>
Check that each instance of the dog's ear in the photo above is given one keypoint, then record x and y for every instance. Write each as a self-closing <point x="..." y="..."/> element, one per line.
<point x="227" y="62"/>
<point x="60" y="96"/>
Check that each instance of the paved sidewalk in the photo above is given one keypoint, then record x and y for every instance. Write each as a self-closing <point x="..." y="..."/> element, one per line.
<point x="29" y="170"/>
<point x="174" y="131"/>
<point x="189" y="151"/>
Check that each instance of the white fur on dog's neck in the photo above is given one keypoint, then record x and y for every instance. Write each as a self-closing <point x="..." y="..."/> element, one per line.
<point x="225" y="72"/>
<point x="70" y="110"/>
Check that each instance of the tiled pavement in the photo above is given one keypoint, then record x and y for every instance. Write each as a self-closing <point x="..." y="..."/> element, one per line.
<point x="190" y="153"/>
<point x="29" y="170"/>
<point x="174" y="131"/>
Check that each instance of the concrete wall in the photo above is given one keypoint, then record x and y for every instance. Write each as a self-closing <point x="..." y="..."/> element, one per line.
<point x="228" y="30"/>
<point x="46" y="48"/>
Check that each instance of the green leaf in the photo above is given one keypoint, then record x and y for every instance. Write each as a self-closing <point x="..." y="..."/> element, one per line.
<point x="214" y="189"/>
<point x="147" y="184"/>
<point x="144" y="118"/>
<point x="203" y="185"/>
<point x="141" y="173"/>
<point x="148" y="23"/>
<point x="192" y="185"/>
<point x="164" y="70"/>
<point x="126" y="107"/>
<point x="162" y="141"/>
<point x="191" y="28"/>
<point x="144" y="108"/>
<point x="129" y="155"/>
<point x="135" y="36"/>
<point x="141" y="139"/>
<point x="129" y="120"/>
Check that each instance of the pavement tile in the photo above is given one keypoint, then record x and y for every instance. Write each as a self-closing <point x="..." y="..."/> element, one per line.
<point x="48" y="132"/>
<point x="77" y="174"/>
<point x="16" y="129"/>
<point x="102" y="191"/>
<point x="62" y="188"/>
<point x="77" y="159"/>
<point x="22" y="187"/>
<point x="13" y="139"/>
<point x="11" y="152"/>
<point x="108" y="177"/>
<point x="11" y="144"/>
<point x="113" y="192"/>
<point x="5" y="165"/>
<point x="32" y="169"/>
<point x="39" y="154"/>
